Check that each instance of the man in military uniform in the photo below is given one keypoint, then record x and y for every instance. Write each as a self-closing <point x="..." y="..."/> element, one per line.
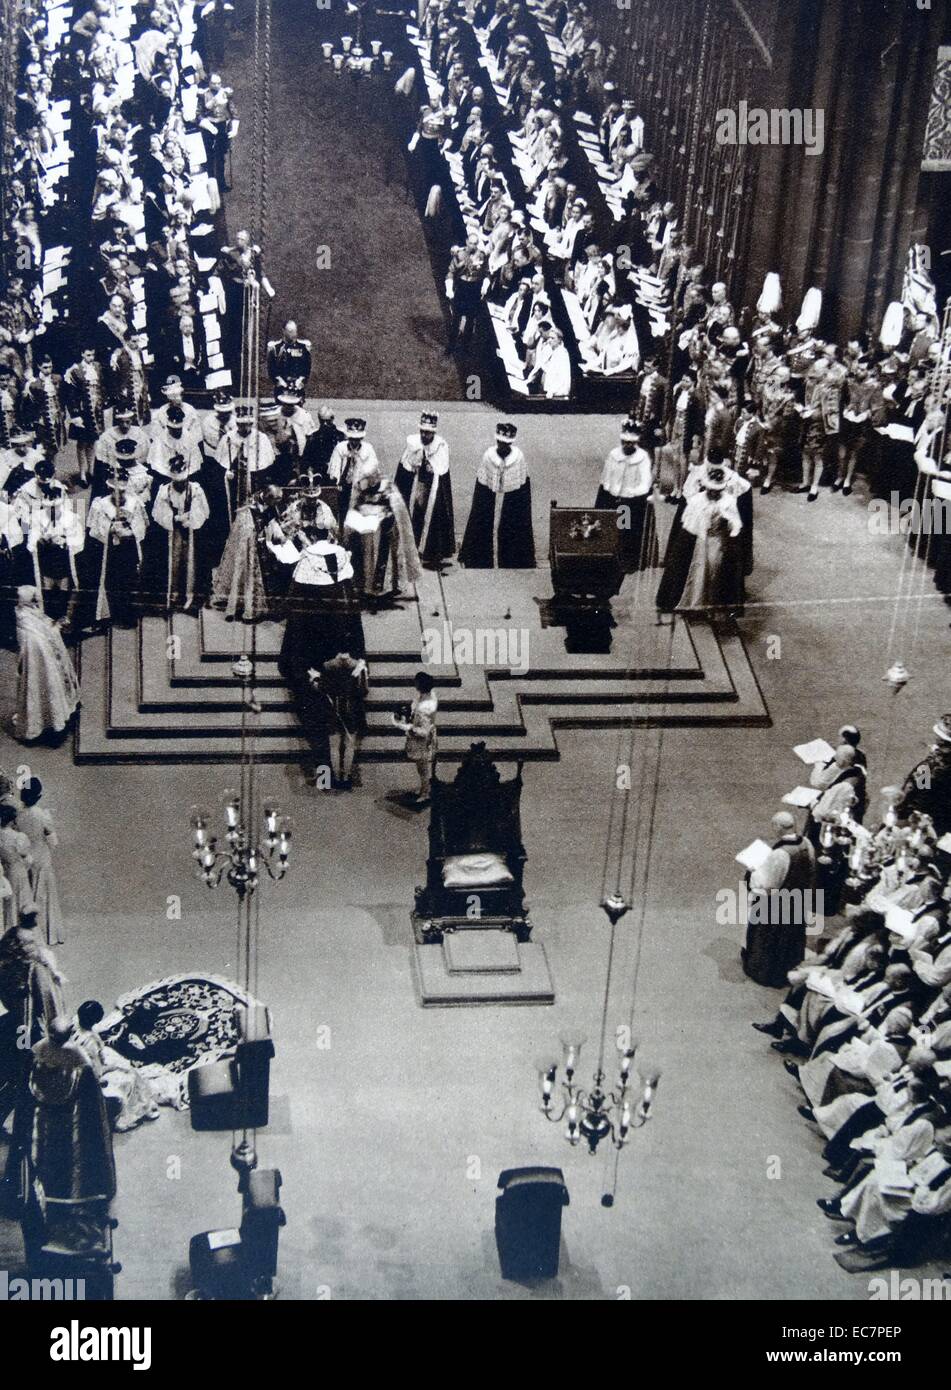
<point x="43" y="407"/>
<point x="465" y="286"/>
<point x="820" y="416"/>
<point x="778" y="413"/>
<point x="289" y="360"/>
<point x="216" y="109"/>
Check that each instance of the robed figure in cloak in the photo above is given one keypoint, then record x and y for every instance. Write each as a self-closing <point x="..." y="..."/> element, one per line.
<point x="499" y="532"/>
<point x="423" y="480"/>
<point x="176" y="564"/>
<point x="322" y="605"/>
<point x="240" y="584"/>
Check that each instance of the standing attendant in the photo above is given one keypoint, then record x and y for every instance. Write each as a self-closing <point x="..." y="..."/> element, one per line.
<point x="289" y="360"/>
<point x="86" y="399"/>
<point x="420" y="731"/>
<point x="344" y="681"/>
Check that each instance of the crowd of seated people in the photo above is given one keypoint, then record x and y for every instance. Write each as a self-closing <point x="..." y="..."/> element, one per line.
<point x="865" y="1027"/>
<point x="586" y="274"/>
<point x="546" y="249"/>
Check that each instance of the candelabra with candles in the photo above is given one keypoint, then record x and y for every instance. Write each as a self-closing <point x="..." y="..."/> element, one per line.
<point x="355" y="60"/>
<point x="242" y="859"/>
<point x="598" y="1114"/>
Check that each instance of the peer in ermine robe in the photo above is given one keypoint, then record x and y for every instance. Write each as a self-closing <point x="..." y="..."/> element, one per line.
<point x="116" y="524"/>
<point x="181" y="510"/>
<point x="425" y="486"/>
<point x="626" y="484"/>
<point x="499" y="531"/>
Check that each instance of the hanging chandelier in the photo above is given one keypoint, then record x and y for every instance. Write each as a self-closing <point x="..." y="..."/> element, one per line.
<point x="598" y="1114"/>
<point x="244" y="854"/>
<point x="243" y="857"/>
<point x="355" y="60"/>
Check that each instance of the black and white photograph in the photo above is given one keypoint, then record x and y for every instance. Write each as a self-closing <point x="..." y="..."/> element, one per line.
<point x="475" y="665"/>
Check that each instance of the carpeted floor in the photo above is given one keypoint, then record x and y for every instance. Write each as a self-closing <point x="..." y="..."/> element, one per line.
<point x="391" y="1128"/>
<point x="345" y="247"/>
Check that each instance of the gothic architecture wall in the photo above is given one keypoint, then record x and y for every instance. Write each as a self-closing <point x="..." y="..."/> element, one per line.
<point x="837" y="212"/>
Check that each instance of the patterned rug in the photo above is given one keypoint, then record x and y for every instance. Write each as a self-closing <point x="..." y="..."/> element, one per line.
<point x="169" y="1026"/>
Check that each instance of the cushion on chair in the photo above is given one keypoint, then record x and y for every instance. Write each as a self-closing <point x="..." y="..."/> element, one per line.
<point x="483" y="870"/>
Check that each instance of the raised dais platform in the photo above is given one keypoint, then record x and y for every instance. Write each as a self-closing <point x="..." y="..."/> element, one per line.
<point x="165" y="692"/>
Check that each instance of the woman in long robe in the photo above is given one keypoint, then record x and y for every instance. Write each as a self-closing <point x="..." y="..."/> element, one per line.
<point x="704" y="563"/>
<point x="499" y="530"/>
<point x="36" y="823"/>
<point x="121" y="1081"/>
<point x="32" y="996"/>
<point x="47" y="686"/>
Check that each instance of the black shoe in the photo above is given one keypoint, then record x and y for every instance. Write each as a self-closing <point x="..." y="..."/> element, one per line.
<point x="807" y="1112"/>
<point x="812" y="496"/>
<point x="830" y="1206"/>
<point x="835" y="1173"/>
<point x="836" y="485"/>
<point x="764" y="488"/>
<point x="791" y="1068"/>
<point x="774" y="1029"/>
<point x="803" y="487"/>
<point x="847" y="1238"/>
<point x="788" y="1045"/>
<point x="847" y="490"/>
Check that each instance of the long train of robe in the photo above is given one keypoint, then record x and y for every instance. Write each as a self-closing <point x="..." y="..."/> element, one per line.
<point x="238" y="582"/>
<point x="386" y="560"/>
<point x="506" y="542"/>
<point x="71" y="1149"/>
